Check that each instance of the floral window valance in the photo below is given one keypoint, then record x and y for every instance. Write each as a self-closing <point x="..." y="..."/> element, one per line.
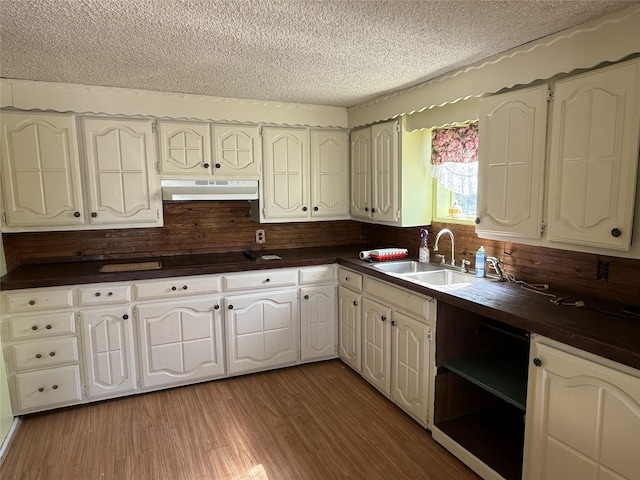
<point x="454" y="156"/>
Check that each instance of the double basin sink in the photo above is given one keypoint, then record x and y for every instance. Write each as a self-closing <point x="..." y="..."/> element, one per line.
<point x="430" y="275"/>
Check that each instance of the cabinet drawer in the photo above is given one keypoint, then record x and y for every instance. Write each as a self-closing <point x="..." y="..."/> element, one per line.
<point x="45" y="353"/>
<point x="349" y="278"/>
<point x="263" y="279"/>
<point x="418" y="306"/>
<point x="37" y="299"/>
<point x="103" y="294"/>
<point x="167" y="289"/>
<point x="37" y="326"/>
<point x="48" y="388"/>
<point x="321" y="274"/>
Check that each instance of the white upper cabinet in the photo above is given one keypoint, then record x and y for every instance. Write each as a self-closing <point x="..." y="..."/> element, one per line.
<point x="305" y="175"/>
<point x="41" y="171"/>
<point x="237" y="151"/>
<point x="512" y="155"/>
<point x="185" y="148"/>
<point x="121" y="179"/>
<point x="390" y="182"/>
<point x="594" y="157"/>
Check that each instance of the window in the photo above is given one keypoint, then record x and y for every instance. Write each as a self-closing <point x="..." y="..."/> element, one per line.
<point x="454" y="159"/>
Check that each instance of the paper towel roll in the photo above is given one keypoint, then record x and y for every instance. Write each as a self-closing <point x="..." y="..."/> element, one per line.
<point x="364" y="254"/>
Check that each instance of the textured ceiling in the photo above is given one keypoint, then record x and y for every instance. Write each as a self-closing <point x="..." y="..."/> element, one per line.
<point x="327" y="52"/>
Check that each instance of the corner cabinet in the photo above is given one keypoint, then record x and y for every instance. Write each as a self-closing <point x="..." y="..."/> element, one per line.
<point x="40" y="172"/>
<point x="390" y="182"/>
<point x="583" y="417"/>
<point x="305" y="176"/>
<point x="591" y="134"/>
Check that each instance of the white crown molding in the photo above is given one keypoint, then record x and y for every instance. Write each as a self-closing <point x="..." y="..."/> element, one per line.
<point x="86" y="99"/>
<point x="607" y="39"/>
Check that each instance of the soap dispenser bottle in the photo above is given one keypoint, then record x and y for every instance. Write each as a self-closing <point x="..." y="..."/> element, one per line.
<point x="423" y="254"/>
<point x="481" y="262"/>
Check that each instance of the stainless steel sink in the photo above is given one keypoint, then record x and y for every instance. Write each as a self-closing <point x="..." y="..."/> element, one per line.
<point x="440" y="278"/>
<point x="405" y="266"/>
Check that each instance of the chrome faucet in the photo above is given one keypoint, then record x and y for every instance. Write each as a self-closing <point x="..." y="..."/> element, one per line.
<point x="495" y="264"/>
<point x="435" y="244"/>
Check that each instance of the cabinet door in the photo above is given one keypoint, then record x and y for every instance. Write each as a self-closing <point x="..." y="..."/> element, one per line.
<point x="318" y="323"/>
<point x="584" y="420"/>
<point x="594" y="157"/>
<point x="107" y="336"/>
<point x="185" y="148"/>
<point x="286" y="176"/>
<point x="376" y="345"/>
<point x="409" y="365"/>
<point x="236" y="151"/>
<point x="361" y="181"/>
<point x="41" y="179"/>
<point x="180" y="342"/>
<point x="384" y="156"/>
<point x="350" y="324"/>
<point x="329" y="175"/>
<point x="121" y="172"/>
<point x="262" y="331"/>
<point x="512" y="154"/>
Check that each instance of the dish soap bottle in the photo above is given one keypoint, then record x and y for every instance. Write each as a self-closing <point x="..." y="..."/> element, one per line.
<point x="481" y="262"/>
<point x="423" y="254"/>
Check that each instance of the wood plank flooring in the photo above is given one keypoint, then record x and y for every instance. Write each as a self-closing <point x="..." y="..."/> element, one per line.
<point x="316" y="421"/>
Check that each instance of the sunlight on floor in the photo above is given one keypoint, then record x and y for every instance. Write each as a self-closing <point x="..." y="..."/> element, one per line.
<point x="256" y="473"/>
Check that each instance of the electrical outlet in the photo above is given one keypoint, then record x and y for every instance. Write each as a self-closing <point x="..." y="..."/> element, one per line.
<point x="260" y="238"/>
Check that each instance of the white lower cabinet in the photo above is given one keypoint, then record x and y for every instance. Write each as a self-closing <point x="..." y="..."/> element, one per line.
<point x="318" y="325"/>
<point x="583" y="416"/>
<point x="109" y="351"/>
<point x="180" y="342"/>
<point x="376" y="345"/>
<point x="261" y="330"/>
<point x="349" y="325"/>
<point x="46" y="389"/>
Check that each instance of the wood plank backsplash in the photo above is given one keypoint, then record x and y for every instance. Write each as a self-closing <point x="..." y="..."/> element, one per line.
<point x="214" y="227"/>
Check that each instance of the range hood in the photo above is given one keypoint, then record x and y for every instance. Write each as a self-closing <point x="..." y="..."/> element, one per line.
<point x="209" y="189"/>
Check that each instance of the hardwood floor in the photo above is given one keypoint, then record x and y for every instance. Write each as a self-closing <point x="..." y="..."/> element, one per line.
<point x="316" y="421"/>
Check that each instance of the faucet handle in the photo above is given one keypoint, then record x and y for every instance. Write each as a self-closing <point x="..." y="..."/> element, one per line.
<point x="440" y="257"/>
<point x="465" y="263"/>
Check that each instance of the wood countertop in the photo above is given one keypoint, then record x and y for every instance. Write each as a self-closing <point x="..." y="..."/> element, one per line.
<point x="601" y="328"/>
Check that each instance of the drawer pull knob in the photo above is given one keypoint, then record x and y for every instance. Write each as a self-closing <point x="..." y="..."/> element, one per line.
<point x="216" y="307"/>
<point x="55" y="387"/>
<point x="76" y="214"/>
<point x="383" y="318"/>
<point x="304" y="209"/>
<point x="218" y="165"/>
<point x="125" y="317"/>
<point x="230" y="307"/>
<point x="173" y="288"/>
<point x="477" y="221"/>
<point x="315" y="209"/>
<point x="94" y="214"/>
<point x="306" y="297"/>
<point x="268" y="280"/>
<point x="184" y="287"/>
<point x="52" y="354"/>
<point x="346" y="279"/>
<point x="38" y="355"/>
<point x="48" y="327"/>
<point x="616" y="232"/>
<point x="41" y="389"/>
<point x="110" y="294"/>
<point x="32" y="302"/>
<point x="366" y="209"/>
<point x="205" y="165"/>
<point x="537" y="362"/>
<point x="34" y="328"/>
<point x="393" y="323"/>
<point x="355" y="304"/>
<point x="97" y="294"/>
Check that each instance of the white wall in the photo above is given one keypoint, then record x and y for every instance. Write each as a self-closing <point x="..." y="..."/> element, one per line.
<point x="6" y="418"/>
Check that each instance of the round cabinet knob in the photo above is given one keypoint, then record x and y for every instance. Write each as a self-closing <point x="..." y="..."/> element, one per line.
<point x="173" y="288"/>
<point x="41" y="389"/>
<point x="355" y="304"/>
<point x="346" y="279"/>
<point x="97" y="294"/>
<point x="373" y="210"/>
<point x="32" y="302"/>
<point x="52" y="354"/>
<point x="110" y="294"/>
<point x="55" y="387"/>
<point x="315" y="209"/>
<point x="76" y="214"/>
<point x="306" y="297"/>
<point x="230" y="307"/>
<point x="205" y="165"/>
<point x="616" y="232"/>
<point x="34" y="328"/>
<point x="216" y="307"/>
<point x="184" y="287"/>
<point x="383" y="318"/>
<point x="477" y="221"/>
<point x="125" y="317"/>
<point x="48" y="327"/>
<point x="304" y="209"/>
<point x="268" y="280"/>
<point x="38" y="355"/>
<point x="393" y="323"/>
<point x="217" y="165"/>
<point x="537" y="362"/>
<point x="94" y="214"/>
<point x="366" y="209"/>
